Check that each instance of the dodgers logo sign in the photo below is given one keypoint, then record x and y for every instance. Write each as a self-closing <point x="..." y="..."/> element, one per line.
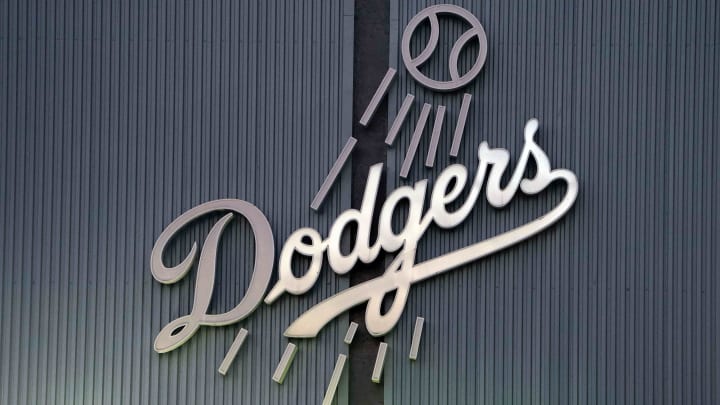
<point x="325" y="247"/>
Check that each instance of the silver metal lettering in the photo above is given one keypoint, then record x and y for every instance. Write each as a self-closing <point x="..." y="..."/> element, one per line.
<point x="403" y="271"/>
<point x="287" y="282"/>
<point x="179" y="331"/>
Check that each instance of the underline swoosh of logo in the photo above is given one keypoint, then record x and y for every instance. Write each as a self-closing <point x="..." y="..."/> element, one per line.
<point x="310" y="323"/>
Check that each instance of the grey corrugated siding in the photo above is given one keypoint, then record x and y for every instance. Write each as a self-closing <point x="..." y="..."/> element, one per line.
<point x="114" y="119"/>
<point x="617" y="303"/>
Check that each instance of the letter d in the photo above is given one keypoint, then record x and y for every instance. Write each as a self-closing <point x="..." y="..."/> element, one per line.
<point x="179" y="331"/>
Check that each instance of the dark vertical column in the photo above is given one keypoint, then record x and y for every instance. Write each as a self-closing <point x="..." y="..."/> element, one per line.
<point x="372" y="23"/>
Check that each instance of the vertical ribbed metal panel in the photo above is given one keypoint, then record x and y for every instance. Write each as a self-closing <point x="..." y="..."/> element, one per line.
<point x="618" y="302"/>
<point x="116" y="117"/>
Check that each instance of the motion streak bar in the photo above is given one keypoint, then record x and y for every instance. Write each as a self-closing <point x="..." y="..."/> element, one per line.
<point x="379" y="363"/>
<point x="417" y="334"/>
<point x="399" y="119"/>
<point x="460" y="128"/>
<point x="334" y="380"/>
<point x="285" y="362"/>
<point x="415" y="141"/>
<point x="437" y="126"/>
<point x="233" y="351"/>
<point x="334" y="171"/>
<point x="379" y="93"/>
<point x="350" y="335"/>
